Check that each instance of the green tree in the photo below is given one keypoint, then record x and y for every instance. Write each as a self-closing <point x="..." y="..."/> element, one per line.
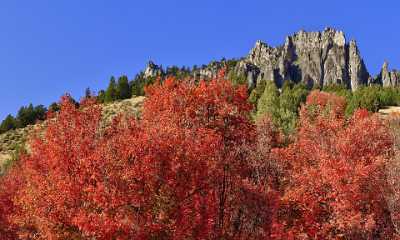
<point x="88" y="93"/>
<point x="123" y="90"/>
<point x="25" y="116"/>
<point x="111" y="92"/>
<point x="39" y="113"/>
<point x="101" y="96"/>
<point x="8" y="123"/>
<point x="137" y="85"/>
<point x="29" y="115"/>
<point x="54" y="107"/>
<point x="338" y="89"/>
<point x="364" y="97"/>
<point x="256" y="93"/>
<point x="291" y="98"/>
<point x="269" y="100"/>
<point x="237" y="79"/>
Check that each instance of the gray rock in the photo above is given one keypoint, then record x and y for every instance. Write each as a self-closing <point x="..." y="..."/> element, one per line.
<point x="153" y="70"/>
<point x="315" y="58"/>
<point x="209" y="71"/>
<point x="357" y="70"/>
<point x="248" y="70"/>
<point x="389" y="78"/>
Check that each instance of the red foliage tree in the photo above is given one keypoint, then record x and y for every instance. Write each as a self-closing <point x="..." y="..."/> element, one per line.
<point x="336" y="170"/>
<point x="9" y="186"/>
<point x="195" y="167"/>
<point x="181" y="172"/>
<point x="240" y="208"/>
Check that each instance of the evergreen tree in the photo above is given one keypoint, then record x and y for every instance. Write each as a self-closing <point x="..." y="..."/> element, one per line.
<point x="111" y="91"/>
<point x="54" y="107"/>
<point x="257" y="92"/>
<point x="291" y="98"/>
<point x="101" y="96"/>
<point x="25" y="116"/>
<point x="39" y="113"/>
<point x="8" y="123"/>
<point x="123" y="90"/>
<point x="88" y="93"/>
<point x="269" y="100"/>
<point x="137" y="85"/>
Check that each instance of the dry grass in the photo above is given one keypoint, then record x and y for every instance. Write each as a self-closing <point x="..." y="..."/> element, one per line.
<point x="12" y="140"/>
<point x="389" y="110"/>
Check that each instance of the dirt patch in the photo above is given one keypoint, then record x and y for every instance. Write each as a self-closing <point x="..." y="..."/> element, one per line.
<point x="389" y="111"/>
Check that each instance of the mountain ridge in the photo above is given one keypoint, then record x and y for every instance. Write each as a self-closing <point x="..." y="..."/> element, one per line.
<point x="316" y="58"/>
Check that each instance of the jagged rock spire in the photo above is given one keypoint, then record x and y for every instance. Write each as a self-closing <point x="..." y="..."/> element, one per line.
<point x="389" y="78"/>
<point x="153" y="70"/>
<point x="315" y="58"/>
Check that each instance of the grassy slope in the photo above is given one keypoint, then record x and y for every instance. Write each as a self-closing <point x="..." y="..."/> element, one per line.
<point x="11" y="140"/>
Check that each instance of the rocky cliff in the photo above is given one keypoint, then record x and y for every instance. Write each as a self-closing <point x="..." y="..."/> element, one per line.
<point x="314" y="58"/>
<point x="388" y="78"/>
<point x="153" y="70"/>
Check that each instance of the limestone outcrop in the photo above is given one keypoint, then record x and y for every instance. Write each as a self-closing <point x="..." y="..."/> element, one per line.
<point x="315" y="58"/>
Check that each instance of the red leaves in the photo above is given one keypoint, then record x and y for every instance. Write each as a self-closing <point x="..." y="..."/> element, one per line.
<point x="337" y="173"/>
<point x="195" y="167"/>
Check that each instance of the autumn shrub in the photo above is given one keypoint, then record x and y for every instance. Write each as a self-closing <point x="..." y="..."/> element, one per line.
<point x="336" y="168"/>
<point x="181" y="172"/>
<point x="393" y="172"/>
<point x="195" y="166"/>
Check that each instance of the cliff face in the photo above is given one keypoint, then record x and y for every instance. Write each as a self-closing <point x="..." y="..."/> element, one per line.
<point x="153" y="70"/>
<point x="315" y="58"/>
<point x="389" y="78"/>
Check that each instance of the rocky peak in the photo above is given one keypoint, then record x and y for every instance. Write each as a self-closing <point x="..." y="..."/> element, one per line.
<point x="356" y="67"/>
<point x="209" y="71"/>
<point x="389" y="78"/>
<point x="153" y="70"/>
<point x="315" y="58"/>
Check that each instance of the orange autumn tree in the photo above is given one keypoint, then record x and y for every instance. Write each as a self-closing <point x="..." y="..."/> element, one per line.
<point x="195" y="167"/>
<point x="9" y="186"/>
<point x="180" y="172"/>
<point x="243" y="209"/>
<point x="336" y="171"/>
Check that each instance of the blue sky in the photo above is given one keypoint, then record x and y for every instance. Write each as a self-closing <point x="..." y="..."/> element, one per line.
<point x="48" y="48"/>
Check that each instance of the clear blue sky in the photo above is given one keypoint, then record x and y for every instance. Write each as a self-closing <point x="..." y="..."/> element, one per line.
<point x="50" y="47"/>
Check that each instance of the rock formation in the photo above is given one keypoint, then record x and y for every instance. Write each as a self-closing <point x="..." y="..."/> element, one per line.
<point x="153" y="70"/>
<point x="208" y="71"/>
<point x="315" y="58"/>
<point x="389" y="78"/>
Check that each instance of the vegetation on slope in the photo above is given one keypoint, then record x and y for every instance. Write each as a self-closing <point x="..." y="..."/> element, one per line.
<point x="195" y="166"/>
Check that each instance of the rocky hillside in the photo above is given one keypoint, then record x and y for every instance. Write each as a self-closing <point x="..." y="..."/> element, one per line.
<point x="12" y="140"/>
<point x="314" y="58"/>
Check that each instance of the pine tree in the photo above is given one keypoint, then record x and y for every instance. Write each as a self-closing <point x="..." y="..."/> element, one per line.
<point x="54" y="107"/>
<point x="111" y="91"/>
<point x="269" y="100"/>
<point x="8" y="124"/>
<point x="101" y="96"/>
<point x="137" y="85"/>
<point x="39" y="113"/>
<point x="25" y="116"/>
<point x="123" y="89"/>
<point x="88" y="93"/>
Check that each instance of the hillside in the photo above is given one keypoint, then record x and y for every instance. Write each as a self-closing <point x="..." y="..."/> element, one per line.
<point x="14" y="139"/>
<point x="316" y="59"/>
